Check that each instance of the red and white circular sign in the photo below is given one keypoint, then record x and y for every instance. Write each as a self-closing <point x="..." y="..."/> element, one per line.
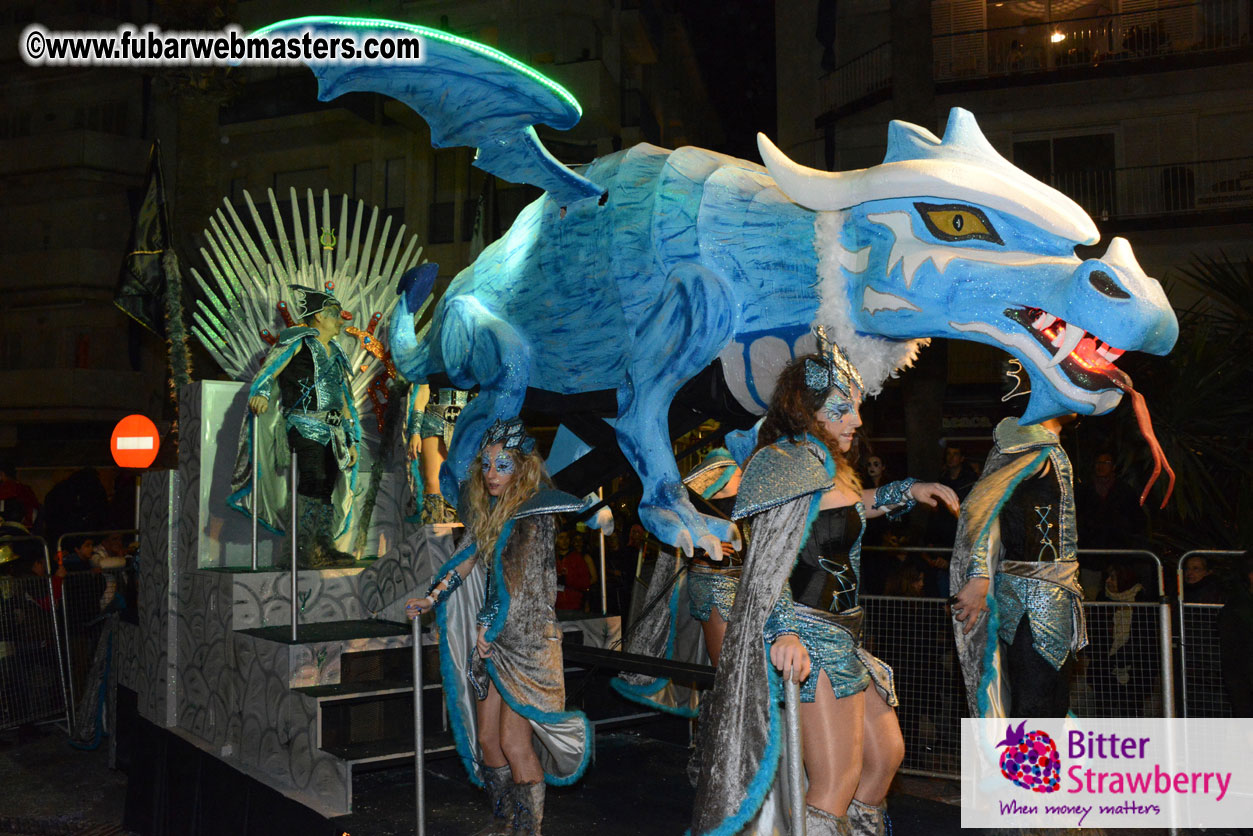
<point x="135" y="442"/>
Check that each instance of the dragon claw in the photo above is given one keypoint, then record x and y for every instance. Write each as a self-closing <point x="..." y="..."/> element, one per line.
<point x="712" y="547"/>
<point x="684" y="543"/>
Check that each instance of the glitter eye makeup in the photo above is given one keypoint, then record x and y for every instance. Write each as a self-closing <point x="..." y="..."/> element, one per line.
<point x="836" y="407"/>
<point x="504" y="463"/>
<point x="486" y="463"/>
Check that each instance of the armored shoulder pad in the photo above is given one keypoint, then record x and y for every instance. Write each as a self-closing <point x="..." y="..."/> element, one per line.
<point x="778" y="474"/>
<point x="289" y="335"/>
<point x="549" y="501"/>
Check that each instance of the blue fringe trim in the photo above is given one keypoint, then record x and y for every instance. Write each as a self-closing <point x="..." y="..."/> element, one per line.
<point x="641" y="693"/>
<point x="991" y="648"/>
<point x="532" y="713"/>
<point x="757" y="790"/>
<point x="454" y="687"/>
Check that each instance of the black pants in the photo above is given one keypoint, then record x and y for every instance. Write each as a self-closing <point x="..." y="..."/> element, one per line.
<point x="316" y="468"/>
<point x="1036" y="688"/>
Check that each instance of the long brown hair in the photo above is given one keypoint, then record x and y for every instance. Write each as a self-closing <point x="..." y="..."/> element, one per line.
<point x="488" y="518"/>
<point x="793" y="413"/>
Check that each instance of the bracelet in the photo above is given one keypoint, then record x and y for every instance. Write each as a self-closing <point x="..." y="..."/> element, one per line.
<point x="896" y="494"/>
<point x="451" y="581"/>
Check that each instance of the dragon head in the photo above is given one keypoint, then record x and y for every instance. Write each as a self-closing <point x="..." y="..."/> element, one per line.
<point x="946" y="238"/>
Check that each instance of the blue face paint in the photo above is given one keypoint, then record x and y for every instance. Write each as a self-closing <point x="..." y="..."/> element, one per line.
<point x="504" y="464"/>
<point x="836" y="406"/>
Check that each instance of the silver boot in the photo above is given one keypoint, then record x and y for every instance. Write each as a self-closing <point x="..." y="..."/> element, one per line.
<point x="528" y="806"/>
<point x="821" y="823"/>
<point x="498" y="781"/>
<point x="867" y="820"/>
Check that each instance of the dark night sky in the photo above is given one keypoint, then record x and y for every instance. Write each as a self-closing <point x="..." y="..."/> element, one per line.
<point x="734" y="43"/>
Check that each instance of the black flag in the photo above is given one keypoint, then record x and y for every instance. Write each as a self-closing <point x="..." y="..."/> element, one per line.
<point x="143" y="283"/>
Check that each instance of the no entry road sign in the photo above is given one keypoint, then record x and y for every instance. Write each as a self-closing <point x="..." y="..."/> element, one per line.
<point x="135" y="442"/>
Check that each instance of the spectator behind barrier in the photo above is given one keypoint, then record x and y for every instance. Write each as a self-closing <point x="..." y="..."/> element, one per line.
<point x="1235" y="627"/>
<point x="14" y="491"/>
<point x="1200" y="586"/>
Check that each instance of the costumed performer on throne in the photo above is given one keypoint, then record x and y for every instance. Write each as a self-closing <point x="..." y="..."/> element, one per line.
<point x="797" y="603"/>
<point x="500" y="631"/>
<point x="314" y="418"/>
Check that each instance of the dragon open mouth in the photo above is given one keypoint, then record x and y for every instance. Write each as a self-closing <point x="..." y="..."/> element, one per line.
<point x="1085" y="359"/>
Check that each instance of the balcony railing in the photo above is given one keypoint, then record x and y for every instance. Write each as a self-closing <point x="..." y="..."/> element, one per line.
<point x="1176" y="30"/>
<point x="860" y="78"/>
<point x="1186" y="28"/>
<point x="1141" y="191"/>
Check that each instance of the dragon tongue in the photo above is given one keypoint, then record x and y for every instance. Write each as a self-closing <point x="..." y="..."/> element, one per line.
<point x="1123" y="381"/>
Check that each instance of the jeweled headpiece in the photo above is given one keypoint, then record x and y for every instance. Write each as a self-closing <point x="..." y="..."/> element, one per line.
<point x="509" y="434"/>
<point x="834" y="370"/>
<point x="307" y="301"/>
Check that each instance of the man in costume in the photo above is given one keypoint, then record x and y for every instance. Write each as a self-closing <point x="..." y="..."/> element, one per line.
<point x="1016" y="569"/>
<point x="314" y="418"/>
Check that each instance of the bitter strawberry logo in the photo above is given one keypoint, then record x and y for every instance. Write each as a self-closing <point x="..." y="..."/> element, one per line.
<point x="1030" y="759"/>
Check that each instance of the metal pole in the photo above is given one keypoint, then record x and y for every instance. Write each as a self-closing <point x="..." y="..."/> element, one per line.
<point x="796" y="785"/>
<point x="255" y="490"/>
<point x="604" y="593"/>
<point x="138" y="481"/>
<point x="419" y="743"/>
<point x="419" y="737"/>
<point x="66" y="692"/>
<point x="294" y="537"/>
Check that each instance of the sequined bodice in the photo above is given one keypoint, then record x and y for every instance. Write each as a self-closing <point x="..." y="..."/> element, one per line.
<point x="826" y="572"/>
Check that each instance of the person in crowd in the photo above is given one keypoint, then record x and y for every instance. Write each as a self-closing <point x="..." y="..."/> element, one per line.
<point x="77" y="503"/>
<point x="960" y="475"/>
<point x="1108" y="509"/>
<point x="1109" y="517"/>
<point x="1235" y="629"/>
<point x="1200" y="584"/>
<point x="1122" y="666"/>
<point x="799" y="591"/>
<point x="307" y="377"/>
<point x="875" y="471"/>
<point x="13" y="490"/>
<point x="513" y="733"/>
<point x="573" y="577"/>
<point x="1019" y="603"/>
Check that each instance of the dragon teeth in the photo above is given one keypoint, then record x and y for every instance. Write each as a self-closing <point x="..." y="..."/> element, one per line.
<point x="1066" y="342"/>
<point x="1043" y="321"/>
<point x="1108" y="353"/>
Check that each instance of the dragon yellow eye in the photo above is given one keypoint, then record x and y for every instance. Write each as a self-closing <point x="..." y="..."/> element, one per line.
<point x="956" y="222"/>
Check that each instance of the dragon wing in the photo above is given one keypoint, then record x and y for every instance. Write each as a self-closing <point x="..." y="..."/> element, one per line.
<point x="469" y="94"/>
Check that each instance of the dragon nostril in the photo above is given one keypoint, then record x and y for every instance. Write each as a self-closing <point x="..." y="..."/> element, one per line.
<point x="1104" y="284"/>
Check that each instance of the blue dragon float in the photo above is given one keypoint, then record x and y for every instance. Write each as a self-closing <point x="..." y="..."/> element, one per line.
<point x="639" y="271"/>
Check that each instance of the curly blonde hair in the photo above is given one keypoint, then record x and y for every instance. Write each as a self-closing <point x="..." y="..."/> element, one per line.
<point x="793" y="413"/>
<point x="488" y="518"/>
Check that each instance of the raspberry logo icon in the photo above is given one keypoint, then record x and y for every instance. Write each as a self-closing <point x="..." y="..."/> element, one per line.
<point x="1030" y="759"/>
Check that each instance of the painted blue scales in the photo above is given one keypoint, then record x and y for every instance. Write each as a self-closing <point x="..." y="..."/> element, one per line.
<point x="638" y="271"/>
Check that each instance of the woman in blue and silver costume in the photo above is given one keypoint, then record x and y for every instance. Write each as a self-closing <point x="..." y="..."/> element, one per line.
<point x="712" y="579"/>
<point x="797" y="603"/>
<point x="499" y="632"/>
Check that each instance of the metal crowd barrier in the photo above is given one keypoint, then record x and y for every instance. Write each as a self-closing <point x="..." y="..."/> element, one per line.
<point x="85" y="595"/>
<point x="1200" y="660"/>
<point x="33" y="687"/>
<point x="1125" y="671"/>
